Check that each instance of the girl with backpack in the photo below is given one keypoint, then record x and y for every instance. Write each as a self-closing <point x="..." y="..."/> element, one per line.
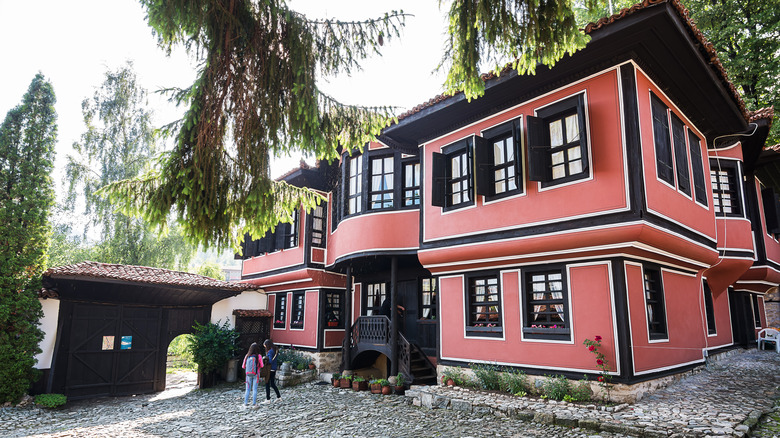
<point x="253" y="362"/>
<point x="270" y="351"/>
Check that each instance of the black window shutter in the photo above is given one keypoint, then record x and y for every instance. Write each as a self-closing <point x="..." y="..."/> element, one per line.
<point x="438" y="179"/>
<point x="266" y="243"/>
<point x="681" y="155"/>
<point x="517" y="134"/>
<point x="771" y="213"/>
<point x="698" y="168"/>
<point x="538" y="150"/>
<point x="281" y="235"/>
<point x="583" y="132"/>
<point x="483" y="156"/>
<point x="663" y="148"/>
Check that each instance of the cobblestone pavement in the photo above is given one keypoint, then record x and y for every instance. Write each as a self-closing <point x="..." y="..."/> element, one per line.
<point x="719" y="400"/>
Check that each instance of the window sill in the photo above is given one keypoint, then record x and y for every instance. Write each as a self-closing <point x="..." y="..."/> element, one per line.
<point x="493" y="332"/>
<point x="552" y="334"/>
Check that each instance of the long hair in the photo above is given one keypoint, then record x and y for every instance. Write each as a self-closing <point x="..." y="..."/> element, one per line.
<point x="254" y="349"/>
<point x="269" y="344"/>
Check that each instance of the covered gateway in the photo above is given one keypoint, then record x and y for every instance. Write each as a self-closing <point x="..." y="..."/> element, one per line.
<point x="115" y="322"/>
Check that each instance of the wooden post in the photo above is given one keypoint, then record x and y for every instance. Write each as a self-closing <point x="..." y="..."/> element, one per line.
<point x="346" y="362"/>
<point x="394" y="320"/>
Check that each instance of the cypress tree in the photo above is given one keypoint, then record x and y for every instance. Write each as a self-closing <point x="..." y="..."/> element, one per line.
<point x="27" y="139"/>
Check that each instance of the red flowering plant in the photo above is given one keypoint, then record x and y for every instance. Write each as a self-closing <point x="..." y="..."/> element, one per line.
<point x="601" y="360"/>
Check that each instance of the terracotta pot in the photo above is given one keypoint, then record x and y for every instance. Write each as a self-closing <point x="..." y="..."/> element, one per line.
<point x="345" y="383"/>
<point x="333" y="324"/>
<point x="376" y="388"/>
<point x="400" y="390"/>
<point x="386" y="390"/>
<point x="359" y="386"/>
<point x="311" y="366"/>
<point x="450" y="382"/>
<point x="335" y="382"/>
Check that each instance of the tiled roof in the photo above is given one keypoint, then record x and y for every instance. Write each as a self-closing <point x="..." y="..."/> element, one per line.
<point x="708" y="50"/>
<point x="146" y="275"/>
<point x="252" y="313"/>
<point x="763" y="113"/>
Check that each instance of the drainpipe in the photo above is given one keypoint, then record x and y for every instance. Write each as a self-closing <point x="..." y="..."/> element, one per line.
<point x="393" y="316"/>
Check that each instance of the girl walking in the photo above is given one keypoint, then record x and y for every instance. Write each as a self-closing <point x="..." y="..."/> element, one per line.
<point x="253" y="362"/>
<point x="270" y="351"/>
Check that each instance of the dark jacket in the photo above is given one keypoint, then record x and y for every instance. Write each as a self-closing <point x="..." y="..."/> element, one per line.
<point x="272" y="359"/>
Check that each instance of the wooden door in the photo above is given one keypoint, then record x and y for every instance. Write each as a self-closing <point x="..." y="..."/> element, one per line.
<point x="742" y="318"/>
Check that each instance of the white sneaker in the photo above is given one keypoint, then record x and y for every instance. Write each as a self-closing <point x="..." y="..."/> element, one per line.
<point x="267" y="401"/>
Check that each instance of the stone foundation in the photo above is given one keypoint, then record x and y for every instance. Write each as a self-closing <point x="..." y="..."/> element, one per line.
<point x="286" y="378"/>
<point x="325" y="361"/>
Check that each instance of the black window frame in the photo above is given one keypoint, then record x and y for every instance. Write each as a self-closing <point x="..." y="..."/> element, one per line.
<point x="662" y="140"/>
<point x="386" y="194"/>
<point x="531" y="325"/>
<point x="433" y="293"/>
<point x="485" y="160"/>
<point x="442" y="179"/>
<point x="411" y="192"/>
<point x="719" y="169"/>
<point x="280" y="311"/>
<point x="374" y="309"/>
<point x="770" y="202"/>
<point x="700" y="189"/>
<point x="474" y="326"/>
<point x="709" y="308"/>
<point x="655" y="303"/>
<point x="355" y="181"/>
<point x="541" y="151"/>
<point x="336" y="208"/>
<point x="318" y="234"/>
<point x="680" y="154"/>
<point x="297" y="310"/>
<point x="333" y="309"/>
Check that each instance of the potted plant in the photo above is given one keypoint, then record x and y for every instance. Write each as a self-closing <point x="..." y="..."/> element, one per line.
<point x="400" y="384"/>
<point x="211" y="346"/>
<point x="385" y="387"/>
<point x="359" y="384"/>
<point x="375" y="386"/>
<point x="345" y="381"/>
<point x="335" y="380"/>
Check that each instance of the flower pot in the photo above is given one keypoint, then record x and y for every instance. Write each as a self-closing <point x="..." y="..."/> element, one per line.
<point x="400" y="390"/>
<point x="376" y="388"/>
<point x="345" y="383"/>
<point x="333" y="324"/>
<point x="386" y="390"/>
<point x="359" y="386"/>
<point x="450" y="382"/>
<point x="335" y="382"/>
<point x="311" y="366"/>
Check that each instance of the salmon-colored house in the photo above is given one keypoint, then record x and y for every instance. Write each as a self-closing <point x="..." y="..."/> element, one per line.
<point x="623" y="193"/>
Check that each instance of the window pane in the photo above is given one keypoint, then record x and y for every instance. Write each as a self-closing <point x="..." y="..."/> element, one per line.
<point x="558" y="171"/>
<point x="510" y="149"/>
<point x="557" y="157"/>
<point x="572" y="129"/>
<point x="575" y="167"/>
<point x="456" y="166"/>
<point x="556" y="133"/>
<point x="498" y="153"/>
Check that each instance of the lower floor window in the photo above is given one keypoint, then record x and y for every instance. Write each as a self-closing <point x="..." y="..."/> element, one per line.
<point x="654" y="304"/>
<point x="280" y="310"/>
<point x="428" y="298"/>
<point x="546" y="305"/>
<point x="376" y="294"/>
<point x="332" y="309"/>
<point x="484" y="306"/>
<point x="297" y="310"/>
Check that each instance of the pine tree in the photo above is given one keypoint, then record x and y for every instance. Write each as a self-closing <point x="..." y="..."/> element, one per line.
<point x="27" y="139"/>
<point x="119" y="143"/>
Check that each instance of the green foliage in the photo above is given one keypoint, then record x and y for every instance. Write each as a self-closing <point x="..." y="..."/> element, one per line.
<point x="180" y="357"/>
<point x="358" y="379"/>
<point x="255" y="96"/>
<point x="119" y="143"/>
<point x="336" y="376"/>
<point x="297" y="360"/>
<point x="383" y="382"/>
<point x="488" y="376"/>
<point x="50" y="400"/>
<point x="211" y="270"/>
<point x="457" y="375"/>
<point x="27" y="139"/>
<point x="514" y="381"/>
<point x="212" y="345"/>
<point x="556" y="387"/>
<point x="581" y="391"/>
<point x="498" y="31"/>
<point x="745" y="35"/>
<point x="400" y="380"/>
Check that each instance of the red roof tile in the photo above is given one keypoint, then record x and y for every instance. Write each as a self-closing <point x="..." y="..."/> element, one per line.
<point x="252" y="313"/>
<point x="146" y="275"/>
<point x="708" y="50"/>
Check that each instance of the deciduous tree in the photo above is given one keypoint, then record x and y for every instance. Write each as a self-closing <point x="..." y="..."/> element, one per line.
<point x="27" y="139"/>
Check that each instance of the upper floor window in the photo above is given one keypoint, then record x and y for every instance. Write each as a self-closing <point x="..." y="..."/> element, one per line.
<point x="484" y="306"/>
<point x="545" y="305"/>
<point x="499" y="161"/>
<point x="725" y="189"/>
<point x="428" y="294"/>
<point x="287" y="233"/>
<point x="355" y="185"/>
<point x="318" y="225"/>
<point x="411" y="187"/>
<point x="297" y="310"/>
<point x="654" y="304"/>
<point x="697" y="163"/>
<point x="663" y="147"/>
<point x="558" y="143"/>
<point x="280" y="311"/>
<point x="382" y="171"/>
<point x="332" y="309"/>
<point x="680" y="155"/>
<point x="452" y="181"/>
<point x="771" y="204"/>
<point x="376" y="294"/>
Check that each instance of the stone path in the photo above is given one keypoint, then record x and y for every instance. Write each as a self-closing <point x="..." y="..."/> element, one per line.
<point x="717" y="400"/>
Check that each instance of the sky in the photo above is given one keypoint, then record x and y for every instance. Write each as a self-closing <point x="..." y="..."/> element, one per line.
<point x="73" y="43"/>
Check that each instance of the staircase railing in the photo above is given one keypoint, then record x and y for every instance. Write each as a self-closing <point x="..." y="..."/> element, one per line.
<point x="371" y="330"/>
<point x="404" y="356"/>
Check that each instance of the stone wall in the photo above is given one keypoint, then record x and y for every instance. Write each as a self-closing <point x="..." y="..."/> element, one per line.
<point x="325" y="361"/>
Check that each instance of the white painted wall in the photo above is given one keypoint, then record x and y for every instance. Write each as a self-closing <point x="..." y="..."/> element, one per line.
<point x="51" y="312"/>
<point x="250" y="300"/>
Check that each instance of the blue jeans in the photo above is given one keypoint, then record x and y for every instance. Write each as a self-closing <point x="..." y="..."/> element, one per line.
<point x="252" y="382"/>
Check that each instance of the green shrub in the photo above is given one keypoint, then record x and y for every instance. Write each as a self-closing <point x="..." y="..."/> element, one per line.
<point x="383" y="382"/>
<point x="212" y="345"/>
<point x="400" y="380"/>
<point x="581" y="391"/>
<point x="556" y="387"/>
<point x="50" y="400"/>
<point x="488" y="376"/>
<point x="514" y="382"/>
<point x="297" y="360"/>
<point x="457" y="375"/>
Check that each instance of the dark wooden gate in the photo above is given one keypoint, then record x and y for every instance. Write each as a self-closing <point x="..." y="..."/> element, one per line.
<point x="113" y="349"/>
<point x="252" y="329"/>
<point x="742" y="322"/>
